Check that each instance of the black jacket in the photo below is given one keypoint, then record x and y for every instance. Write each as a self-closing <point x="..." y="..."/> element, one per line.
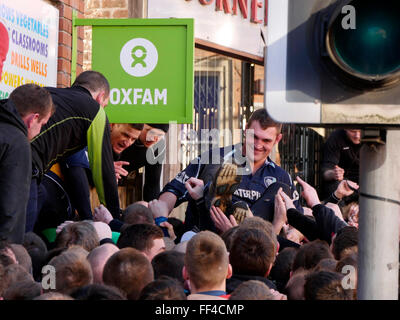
<point x="79" y="121"/>
<point x="136" y="156"/>
<point x="15" y="173"/>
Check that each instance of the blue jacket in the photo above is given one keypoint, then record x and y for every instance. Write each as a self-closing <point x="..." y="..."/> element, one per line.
<point x="251" y="188"/>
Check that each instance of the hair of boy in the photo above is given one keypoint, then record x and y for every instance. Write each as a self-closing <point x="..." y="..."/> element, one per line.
<point x="169" y="263"/>
<point x="96" y="291"/>
<point x="72" y="269"/>
<point x="252" y="290"/>
<point x="22" y="255"/>
<point x="252" y="252"/>
<point x="295" y="286"/>
<point x="163" y="288"/>
<point x="54" y="296"/>
<point x="264" y="120"/>
<point x="37" y="250"/>
<point x="228" y="236"/>
<point x="93" y="81"/>
<point x="327" y="264"/>
<point x="129" y="270"/>
<point x="326" y="285"/>
<point x="137" y="213"/>
<point x="31" y="98"/>
<point x="345" y="242"/>
<point x="261" y="224"/>
<point x="23" y="290"/>
<point x="282" y="267"/>
<point x="206" y="260"/>
<point x="310" y="254"/>
<point x="139" y="236"/>
<point x="81" y="233"/>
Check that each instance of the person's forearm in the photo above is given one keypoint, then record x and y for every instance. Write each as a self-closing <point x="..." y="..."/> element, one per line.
<point x="305" y="225"/>
<point x="329" y="175"/>
<point x="169" y="199"/>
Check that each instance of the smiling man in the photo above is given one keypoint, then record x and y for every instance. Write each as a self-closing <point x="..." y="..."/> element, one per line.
<point x="148" y="151"/>
<point x="257" y="173"/>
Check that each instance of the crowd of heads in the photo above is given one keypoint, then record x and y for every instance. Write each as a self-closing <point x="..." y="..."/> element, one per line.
<point x="244" y="261"/>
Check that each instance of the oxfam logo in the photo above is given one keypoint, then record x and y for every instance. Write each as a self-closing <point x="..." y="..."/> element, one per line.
<point x="138" y="57"/>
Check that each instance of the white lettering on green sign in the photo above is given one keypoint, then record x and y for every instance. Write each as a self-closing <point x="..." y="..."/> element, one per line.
<point x="136" y="96"/>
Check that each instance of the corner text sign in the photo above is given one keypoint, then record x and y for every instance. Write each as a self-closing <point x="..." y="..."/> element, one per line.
<point x="149" y="64"/>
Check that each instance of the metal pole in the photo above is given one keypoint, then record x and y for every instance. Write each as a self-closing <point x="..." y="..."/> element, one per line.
<point x="378" y="248"/>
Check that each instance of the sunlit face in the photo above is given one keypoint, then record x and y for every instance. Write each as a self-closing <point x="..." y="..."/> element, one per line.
<point x="354" y="135"/>
<point x="259" y="145"/>
<point x="36" y="125"/>
<point x="122" y="136"/>
<point x="150" y="135"/>
<point x="158" y="247"/>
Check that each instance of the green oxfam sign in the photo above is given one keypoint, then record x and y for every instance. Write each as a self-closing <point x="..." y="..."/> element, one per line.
<point x="149" y="64"/>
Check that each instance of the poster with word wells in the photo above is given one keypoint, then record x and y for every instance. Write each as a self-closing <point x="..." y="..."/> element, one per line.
<point x="28" y="44"/>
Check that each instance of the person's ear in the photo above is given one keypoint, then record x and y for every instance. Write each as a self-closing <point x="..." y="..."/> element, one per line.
<point x="278" y="138"/>
<point x="185" y="274"/>
<point x="229" y="274"/>
<point x="30" y="119"/>
<point x="269" y="270"/>
<point x="99" y="97"/>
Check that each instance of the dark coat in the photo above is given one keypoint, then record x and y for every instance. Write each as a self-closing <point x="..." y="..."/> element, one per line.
<point x="15" y="173"/>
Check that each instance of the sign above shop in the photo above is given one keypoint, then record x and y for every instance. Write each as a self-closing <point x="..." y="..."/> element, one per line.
<point x="149" y="64"/>
<point x="233" y="24"/>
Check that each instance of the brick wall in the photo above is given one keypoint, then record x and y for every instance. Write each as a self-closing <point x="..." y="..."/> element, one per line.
<point x="65" y="8"/>
<point x="100" y="9"/>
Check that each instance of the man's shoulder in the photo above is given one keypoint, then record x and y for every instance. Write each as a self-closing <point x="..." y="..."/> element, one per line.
<point x="271" y="169"/>
<point x="76" y="99"/>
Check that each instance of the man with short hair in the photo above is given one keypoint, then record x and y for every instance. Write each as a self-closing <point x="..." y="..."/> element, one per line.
<point x="341" y="160"/>
<point x="149" y="152"/>
<point x="248" y="183"/>
<point x="206" y="267"/>
<point x="147" y="238"/>
<point x="128" y="270"/>
<point x="28" y="108"/>
<point x="252" y="255"/>
<point x="79" y="121"/>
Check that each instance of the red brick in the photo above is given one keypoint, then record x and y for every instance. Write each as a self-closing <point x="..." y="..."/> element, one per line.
<point x="64" y="52"/>
<point x="80" y="45"/>
<point x="65" y="38"/>
<point x="81" y="33"/>
<point x="79" y="70"/>
<point x="92" y="4"/>
<point x="75" y="4"/>
<point x="115" y="4"/>
<point x="79" y="58"/>
<point x="120" y="14"/>
<point x="67" y="12"/>
<point x="64" y="65"/>
<point x="81" y="7"/>
<point x="63" y="79"/>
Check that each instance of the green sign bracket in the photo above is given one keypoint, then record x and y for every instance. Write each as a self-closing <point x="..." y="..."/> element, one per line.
<point x="149" y="64"/>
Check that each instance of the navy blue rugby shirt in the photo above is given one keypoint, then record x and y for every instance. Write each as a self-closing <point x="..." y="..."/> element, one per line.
<point x="251" y="187"/>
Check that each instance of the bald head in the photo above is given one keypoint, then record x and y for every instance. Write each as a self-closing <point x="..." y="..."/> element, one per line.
<point x="98" y="258"/>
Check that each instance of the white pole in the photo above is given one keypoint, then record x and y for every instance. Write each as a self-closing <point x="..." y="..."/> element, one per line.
<point x="378" y="248"/>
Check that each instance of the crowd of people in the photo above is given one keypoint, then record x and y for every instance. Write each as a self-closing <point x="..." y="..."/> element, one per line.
<point x="245" y="236"/>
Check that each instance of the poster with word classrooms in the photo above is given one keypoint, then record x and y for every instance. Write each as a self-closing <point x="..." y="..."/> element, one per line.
<point x="28" y="44"/>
